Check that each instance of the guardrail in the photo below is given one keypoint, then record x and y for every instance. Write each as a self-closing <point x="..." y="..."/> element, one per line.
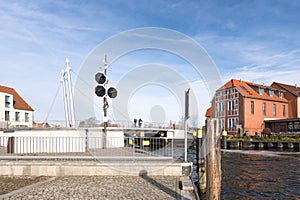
<point x="86" y="148"/>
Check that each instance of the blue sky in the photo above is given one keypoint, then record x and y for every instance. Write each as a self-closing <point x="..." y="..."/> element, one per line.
<point x="250" y="40"/>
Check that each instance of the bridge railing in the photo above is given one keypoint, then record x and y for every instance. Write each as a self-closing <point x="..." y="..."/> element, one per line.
<point x="86" y="148"/>
<point x="97" y="123"/>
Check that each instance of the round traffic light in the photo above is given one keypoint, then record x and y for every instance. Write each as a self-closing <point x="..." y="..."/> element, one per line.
<point x="100" y="91"/>
<point x="100" y="78"/>
<point x="112" y="92"/>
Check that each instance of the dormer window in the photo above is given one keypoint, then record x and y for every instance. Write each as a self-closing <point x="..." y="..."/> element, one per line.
<point x="280" y="94"/>
<point x="271" y="93"/>
<point x="261" y="91"/>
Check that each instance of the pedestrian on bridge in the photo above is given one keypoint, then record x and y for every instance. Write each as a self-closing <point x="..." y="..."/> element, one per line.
<point x="140" y="122"/>
<point x="135" y="121"/>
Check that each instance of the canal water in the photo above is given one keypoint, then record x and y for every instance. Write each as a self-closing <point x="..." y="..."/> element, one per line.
<point x="254" y="174"/>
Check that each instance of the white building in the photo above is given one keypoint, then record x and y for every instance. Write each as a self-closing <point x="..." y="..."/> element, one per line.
<point x="14" y="111"/>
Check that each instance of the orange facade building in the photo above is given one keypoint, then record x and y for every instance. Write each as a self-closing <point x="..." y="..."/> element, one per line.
<point x="242" y="107"/>
<point x="292" y="94"/>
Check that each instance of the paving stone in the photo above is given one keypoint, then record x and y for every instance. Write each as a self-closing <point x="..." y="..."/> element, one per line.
<point x="105" y="187"/>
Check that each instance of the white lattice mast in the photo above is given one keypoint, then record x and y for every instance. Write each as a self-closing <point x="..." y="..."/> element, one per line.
<point x="66" y="106"/>
<point x="71" y="102"/>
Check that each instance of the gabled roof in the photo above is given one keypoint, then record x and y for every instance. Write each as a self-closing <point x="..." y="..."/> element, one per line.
<point x="208" y="113"/>
<point x="19" y="102"/>
<point x="290" y="88"/>
<point x="246" y="89"/>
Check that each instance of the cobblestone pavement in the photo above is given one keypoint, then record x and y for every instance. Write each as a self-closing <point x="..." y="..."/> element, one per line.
<point x="105" y="187"/>
<point x="10" y="183"/>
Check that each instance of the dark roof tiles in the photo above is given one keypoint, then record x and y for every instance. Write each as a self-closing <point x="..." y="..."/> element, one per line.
<point x="290" y="88"/>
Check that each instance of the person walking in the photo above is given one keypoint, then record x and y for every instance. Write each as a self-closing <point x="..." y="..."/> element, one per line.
<point x="140" y="122"/>
<point x="135" y="121"/>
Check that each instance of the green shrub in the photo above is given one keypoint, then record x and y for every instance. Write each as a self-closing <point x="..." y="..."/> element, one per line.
<point x="267" y="131"/>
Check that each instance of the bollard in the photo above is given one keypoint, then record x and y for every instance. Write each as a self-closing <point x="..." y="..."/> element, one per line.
<point x="186" y="169"/>
<point x="240" y="144"/>
<point x="290" y="145"/>
<point x="224" y="139"/>
<point x="200" y="161"/>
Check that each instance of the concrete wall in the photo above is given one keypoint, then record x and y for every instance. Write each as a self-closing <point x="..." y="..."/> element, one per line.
<point x="14" y="168"/>
<point x="179" y="134"/>
<point x="59" y="141"/>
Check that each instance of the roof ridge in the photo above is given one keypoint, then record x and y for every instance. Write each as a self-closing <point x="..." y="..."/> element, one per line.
<point x="19" y="102"/>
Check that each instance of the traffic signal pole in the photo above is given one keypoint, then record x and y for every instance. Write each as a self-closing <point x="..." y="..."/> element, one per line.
<point x="102" y="91"/>
<point x="105" y="105"/>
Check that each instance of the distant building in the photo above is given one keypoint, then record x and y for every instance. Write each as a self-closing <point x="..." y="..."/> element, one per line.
<point x="242" y="106"/>
<point x="14" y="111"/>
<point x="292" y="94"/>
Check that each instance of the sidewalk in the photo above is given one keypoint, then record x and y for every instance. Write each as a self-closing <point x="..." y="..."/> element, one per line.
<point x="104" y="187"/>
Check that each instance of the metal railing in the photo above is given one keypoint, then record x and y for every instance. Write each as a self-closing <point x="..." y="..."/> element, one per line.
<point x="97" y="123"/>
<point x="86" y="148"/>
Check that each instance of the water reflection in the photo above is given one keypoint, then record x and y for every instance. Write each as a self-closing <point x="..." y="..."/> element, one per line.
<point x="253" y="174"/>
<point x="260" y="175"/>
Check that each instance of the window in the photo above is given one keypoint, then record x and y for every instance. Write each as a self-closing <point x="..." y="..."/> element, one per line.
<point x="6" y="115"/>
<point x="7" y="101"/>
<point x="271" y="93"/>
<point x="221" y="124"/>
<point x="230" y="123"/>
<point x="252" y="107"/>
<point x="264" y="109"/>
<point x="280" y="94"/>
<point x="261" y="91"/>
<point x="274" y="109"/>
<point x="230" y="105"/>
<point x="219" y="107"/>
<point x="244" y="88"/>
<point x="17" y="117"/>
<point x="283" y="110"/>
<point x="26" y="117"/>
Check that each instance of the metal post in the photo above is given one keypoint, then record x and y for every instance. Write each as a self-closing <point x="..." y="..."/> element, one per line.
<point x="105" y="105"/>
<point x="186" y="117"/>
<point x="185" y="140"/>
<point x="86" y="140"/>
<point x="68" y="69"/>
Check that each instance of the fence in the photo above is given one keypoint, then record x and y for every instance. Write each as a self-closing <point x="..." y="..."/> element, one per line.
<point x="86" y="148"/>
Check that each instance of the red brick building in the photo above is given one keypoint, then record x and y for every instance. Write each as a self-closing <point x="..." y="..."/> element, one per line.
<point x="243" y="106"/>
<point x="292" y="94"/>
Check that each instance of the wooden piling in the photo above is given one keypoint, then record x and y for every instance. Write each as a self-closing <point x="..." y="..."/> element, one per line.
<point x="200" y="154"/>
<point x="213" y="160"/>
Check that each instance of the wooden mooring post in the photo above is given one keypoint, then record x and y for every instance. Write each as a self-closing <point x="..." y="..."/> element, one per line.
<point x="209" y="164"/>
<point x="200" y="155"/>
